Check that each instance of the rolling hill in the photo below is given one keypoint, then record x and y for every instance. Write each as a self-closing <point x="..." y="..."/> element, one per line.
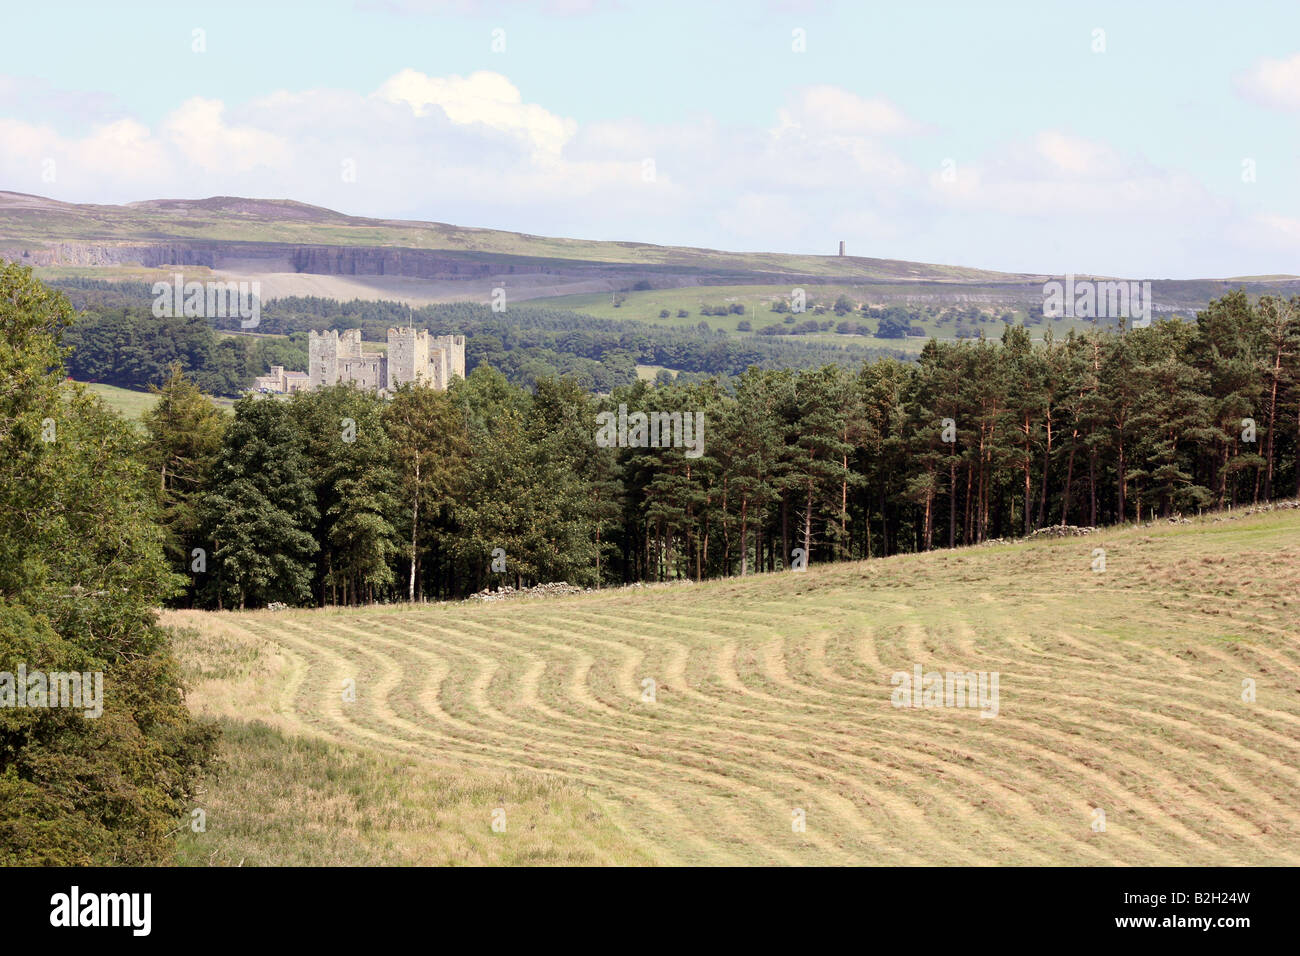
<point x="235" y="228"/>
<point x="298" y="249"/>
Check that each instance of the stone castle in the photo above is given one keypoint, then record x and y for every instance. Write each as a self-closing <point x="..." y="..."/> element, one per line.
<point x="413" y="354"/>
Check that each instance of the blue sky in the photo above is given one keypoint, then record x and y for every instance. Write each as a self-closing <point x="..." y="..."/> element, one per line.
<point x="995" y="135"/>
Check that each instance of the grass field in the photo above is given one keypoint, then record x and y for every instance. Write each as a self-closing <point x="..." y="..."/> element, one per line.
<point x="1120" y="691"/>
<point x="133" y="404"/>
<point x="649" y="372"/>
<point x="647" y="306"/>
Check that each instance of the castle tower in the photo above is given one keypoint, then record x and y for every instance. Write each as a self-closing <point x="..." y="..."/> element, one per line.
<point x="350" y="344"/>
<point x="323" y="359"/>
<point x="454" y="348"/>
<point x="408" y="357"/>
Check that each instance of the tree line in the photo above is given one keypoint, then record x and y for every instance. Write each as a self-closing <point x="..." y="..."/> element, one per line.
<point x="126" y="345"/>
<point x="338" y="496"/>
<point x="131" y="348"/>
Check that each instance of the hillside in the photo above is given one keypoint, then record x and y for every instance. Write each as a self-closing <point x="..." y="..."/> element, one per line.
<point x="238" y="227"/>
<point x="1120" y="691"/>
<point x="295" y="249"/>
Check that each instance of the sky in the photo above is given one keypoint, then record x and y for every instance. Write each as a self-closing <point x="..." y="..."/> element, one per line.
<point x="1152" y="140"/>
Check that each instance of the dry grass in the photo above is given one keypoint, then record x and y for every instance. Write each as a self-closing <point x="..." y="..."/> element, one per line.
<point x="1119" y="690"/>
<point x="281" y="798"/>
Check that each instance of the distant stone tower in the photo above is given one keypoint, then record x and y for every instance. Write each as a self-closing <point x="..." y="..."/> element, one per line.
<point x="329" y="355"/>
<point x="446" y="358"/>
<point x="841" y="247"/>
<point x="323" y="359"/>
<point x="408" y="356"/>
<point x="413" y="355"/>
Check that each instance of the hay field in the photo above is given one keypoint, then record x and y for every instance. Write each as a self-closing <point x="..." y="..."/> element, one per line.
<point x="1119" y="691"/>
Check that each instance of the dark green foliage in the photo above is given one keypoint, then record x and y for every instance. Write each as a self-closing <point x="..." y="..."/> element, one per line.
<point x="185" y="432"/>
<point x="893" y="326"/>
<point x="81" y="572"/>
<point x="131" y="348"/>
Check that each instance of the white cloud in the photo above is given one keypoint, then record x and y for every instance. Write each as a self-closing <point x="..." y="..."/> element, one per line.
<point x="1077" y="157"/>
<point x="1060" y="175"/>
<point x="822" y="111"/>
<point x="1273" y="83"/>
<point x="484" y="98"/>
<point x="1282" y="231"/>
<point x="121" y="148"/>
<point x="108" y="157"/>
<point x="203" y="137"/>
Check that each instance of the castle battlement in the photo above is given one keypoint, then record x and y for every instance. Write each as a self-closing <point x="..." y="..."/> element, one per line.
<point x="413" y="355"/>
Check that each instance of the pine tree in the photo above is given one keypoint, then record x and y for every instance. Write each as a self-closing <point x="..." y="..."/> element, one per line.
<point x="260" y="511"/>
<point x="1280" y="349"/>
<point x="184" y="437"/>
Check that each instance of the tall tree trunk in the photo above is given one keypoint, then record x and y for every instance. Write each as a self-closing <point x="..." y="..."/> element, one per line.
<point x="1047" y="467"/>
<point x="969" y="534"/>
<point x="1092" y="484"/>
<point x="1029" y="489"/>
<point x="1122" y="488"/>
<point x="807" y="528"/>
<point x="726" y="532"/>
<point x="1223" y="475"/>
<point x="1272" y="425"/>
<point x="844" y="508"/>
<point x="415" y="526"/>
<point x="952" y="503"/>
<point x="690" y="526"/>
<point x="701" y="544"/>
<point x="884" y="524"/>
<point x="744" y="536"/>
<point x="1069" y="476"/>
<point x="929" y="511"/>
<point x="866" y="509"/>
<point x="785" y="530"/>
